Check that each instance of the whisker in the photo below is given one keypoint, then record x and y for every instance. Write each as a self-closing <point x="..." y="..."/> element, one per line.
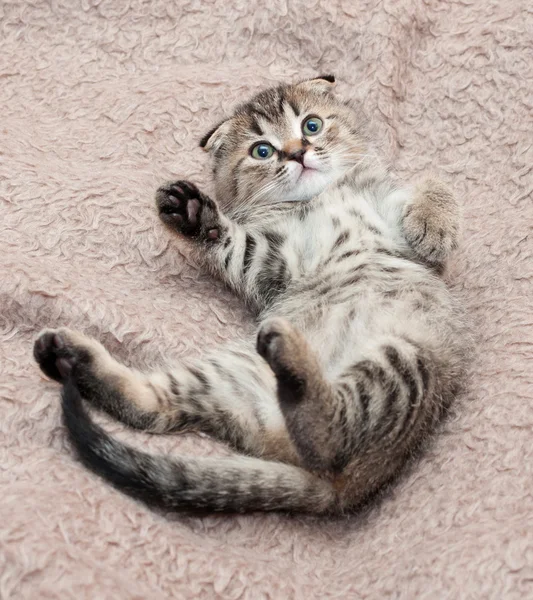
<point x="271" y="185"/>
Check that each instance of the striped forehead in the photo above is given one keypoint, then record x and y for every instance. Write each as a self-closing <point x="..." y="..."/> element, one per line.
<point x="284" y="125"/>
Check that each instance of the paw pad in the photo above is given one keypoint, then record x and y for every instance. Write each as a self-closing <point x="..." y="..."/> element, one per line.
<point x="180" y="205"/>
<point x="53" y="355"/>
<point x="183" y="207"/>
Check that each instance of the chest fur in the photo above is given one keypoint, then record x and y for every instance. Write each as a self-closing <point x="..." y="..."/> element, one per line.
<point x="343" y="222"/>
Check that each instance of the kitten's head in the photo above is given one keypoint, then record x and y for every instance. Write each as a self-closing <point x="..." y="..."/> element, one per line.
<point x="286" y="144"/>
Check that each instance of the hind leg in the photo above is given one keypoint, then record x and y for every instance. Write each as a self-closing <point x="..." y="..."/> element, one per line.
<point x="229" y="395"/>
<point x="375" y="403"/>
<point x="306" y="399"/>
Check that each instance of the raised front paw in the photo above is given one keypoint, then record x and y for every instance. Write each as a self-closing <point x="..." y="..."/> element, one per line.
<point x="431" y="222"/>
<point x="185" y="209"/>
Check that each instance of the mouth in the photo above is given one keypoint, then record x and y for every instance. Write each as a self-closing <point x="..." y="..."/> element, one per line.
<point x="306" y="172"/>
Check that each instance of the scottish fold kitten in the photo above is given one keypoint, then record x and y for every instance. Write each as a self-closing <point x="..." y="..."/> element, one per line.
<point x="360" y="346"/>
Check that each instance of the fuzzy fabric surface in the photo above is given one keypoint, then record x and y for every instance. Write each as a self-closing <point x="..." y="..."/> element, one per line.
<point x="101" y="101"/>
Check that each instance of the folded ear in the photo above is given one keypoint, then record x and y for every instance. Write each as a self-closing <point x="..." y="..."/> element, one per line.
<point x="213" y="139"/>
<point x="323" y="84"/>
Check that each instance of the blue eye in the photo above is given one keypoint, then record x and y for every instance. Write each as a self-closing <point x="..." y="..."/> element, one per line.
<point x="312" y="125"/>
<point x="262" y="151"/>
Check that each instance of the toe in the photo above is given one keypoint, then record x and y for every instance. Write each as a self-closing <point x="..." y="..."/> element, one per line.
<point x="43" y="344"/>
<point x="187" y="188"/>
<point x="172" y="205"/>
<point x="265" y="341"/>
<point x="39" y="346"/>
<point x="58" y="341"/>
<point x="270" y="337"/>
<point x="177" y="189"/>
<point x="45" y="353"/>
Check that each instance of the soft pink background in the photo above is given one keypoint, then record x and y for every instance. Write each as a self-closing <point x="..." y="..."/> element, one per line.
<point x="100" y="102"/>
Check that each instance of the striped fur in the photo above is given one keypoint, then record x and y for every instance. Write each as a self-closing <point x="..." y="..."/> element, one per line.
<point x="360" y="348"/>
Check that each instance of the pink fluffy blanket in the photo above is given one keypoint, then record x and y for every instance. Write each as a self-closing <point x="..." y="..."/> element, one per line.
<point x="100" y="102"/>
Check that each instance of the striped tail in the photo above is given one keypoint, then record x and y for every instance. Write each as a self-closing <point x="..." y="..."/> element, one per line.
<point x="240" y="484"/>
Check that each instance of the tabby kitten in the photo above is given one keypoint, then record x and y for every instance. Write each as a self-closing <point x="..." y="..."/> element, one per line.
<point x="359" y="350"/>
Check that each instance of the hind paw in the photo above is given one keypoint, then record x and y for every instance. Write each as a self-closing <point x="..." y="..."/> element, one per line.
<point x="287" y="353"/>
<point x="59" y="352"/>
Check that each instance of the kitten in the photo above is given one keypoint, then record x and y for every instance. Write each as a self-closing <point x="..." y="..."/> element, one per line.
<point x="360" y="348"/>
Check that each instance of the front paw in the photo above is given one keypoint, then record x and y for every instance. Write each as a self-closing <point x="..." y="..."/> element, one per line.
<point x="431" y="222"/>
<point x="185" y="209"/>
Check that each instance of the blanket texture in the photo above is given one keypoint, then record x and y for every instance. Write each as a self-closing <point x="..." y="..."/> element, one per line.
<point x="103" y="100"/>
